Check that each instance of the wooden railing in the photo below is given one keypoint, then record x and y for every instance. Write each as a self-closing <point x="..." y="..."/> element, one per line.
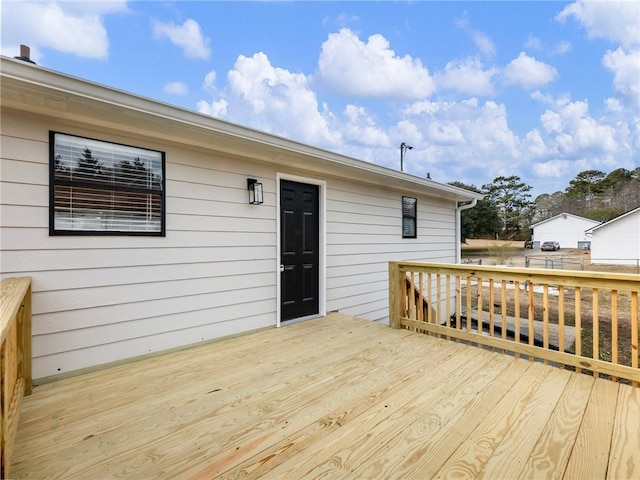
<point x="579" y="320"/>
<point x="15" y="361"/>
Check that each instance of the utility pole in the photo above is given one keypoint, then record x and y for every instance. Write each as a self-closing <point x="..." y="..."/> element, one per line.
<point x="403" y="148"/>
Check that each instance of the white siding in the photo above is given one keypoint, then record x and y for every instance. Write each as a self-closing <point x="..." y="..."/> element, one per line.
<point x="99" y="299"/>
<point x="617" y="243"/>
<point x="565" y="229"/>
<point x="364" y="233"/>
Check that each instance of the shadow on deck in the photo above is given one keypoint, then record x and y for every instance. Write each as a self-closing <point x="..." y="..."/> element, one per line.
<point x="336" y="397"/>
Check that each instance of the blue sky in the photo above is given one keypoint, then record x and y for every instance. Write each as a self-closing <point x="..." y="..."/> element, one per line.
<point x="542" y="90"/>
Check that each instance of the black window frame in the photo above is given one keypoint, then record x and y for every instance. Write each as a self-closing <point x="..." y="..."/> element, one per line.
<point x="410" y="217"/>
<point x="53" y="182"/>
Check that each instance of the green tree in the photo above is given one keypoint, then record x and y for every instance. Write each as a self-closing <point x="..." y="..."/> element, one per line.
<point x="586" y="187"/>
<point x="481" y="221"/>
<point x="511" y="196"/>
<point x="88" y="165"/>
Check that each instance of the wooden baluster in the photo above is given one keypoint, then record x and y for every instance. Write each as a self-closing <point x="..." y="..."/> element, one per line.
<point x="438" y="318"/>
<point x="545" y="319"/>
<point x="516" y="299"/>
<point x="578" y="323"/>
<point x="430" y="308"/>
<point x="412" y="297"/>
<point x="420" y="307"/>
<point x="480" y="305"/>
<point x="447" y="293"/>
<point x="469" y="311"/>
<point x="634" y="332"/>
<point x="503" y="310"/>
<point x="614" y="329"/>
<point x="491" y="310"/>
<point x="458" y="304"/>
<point x="596" y="328"/>
<point x="530" y="316"/>
<point x="561" y="321"/>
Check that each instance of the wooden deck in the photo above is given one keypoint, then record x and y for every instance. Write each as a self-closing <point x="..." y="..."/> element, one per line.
<point x="334" y="397"/>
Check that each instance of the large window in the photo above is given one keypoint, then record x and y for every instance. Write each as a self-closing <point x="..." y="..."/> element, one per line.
<point x="102" y="188"/>
<point x="409" y="214"/>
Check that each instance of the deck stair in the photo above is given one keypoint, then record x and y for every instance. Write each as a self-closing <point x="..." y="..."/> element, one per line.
<point x="538" y="329"/>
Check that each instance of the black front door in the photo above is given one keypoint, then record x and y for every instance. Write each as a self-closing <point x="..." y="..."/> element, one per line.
<point x="300" y="244"/>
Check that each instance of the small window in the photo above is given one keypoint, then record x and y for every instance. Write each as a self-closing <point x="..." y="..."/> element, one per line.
<point x="101" y="188"/>
<point x="409" y="213"/>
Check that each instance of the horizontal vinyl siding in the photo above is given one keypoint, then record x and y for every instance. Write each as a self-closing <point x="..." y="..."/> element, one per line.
<point x="99" y="299"/>
<point x="617" y="243"/>
<point x="364" y="233"/>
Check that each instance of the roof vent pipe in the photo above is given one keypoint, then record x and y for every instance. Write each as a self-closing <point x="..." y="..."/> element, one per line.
<point x="25" y="54"/>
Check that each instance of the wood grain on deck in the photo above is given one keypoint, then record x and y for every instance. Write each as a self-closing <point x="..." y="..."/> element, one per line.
<point x="335" y="397"/>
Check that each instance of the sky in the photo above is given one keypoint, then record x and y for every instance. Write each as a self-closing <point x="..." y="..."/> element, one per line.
<point x="542" y="90"/>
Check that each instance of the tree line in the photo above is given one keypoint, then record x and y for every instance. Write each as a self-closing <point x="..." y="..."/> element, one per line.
<point x="131" y="173"/>
<point x="508" y="209"/>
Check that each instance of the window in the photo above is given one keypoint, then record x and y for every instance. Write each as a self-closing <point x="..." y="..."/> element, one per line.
<point x="101" y="188"/>
<point x="409" y="213"/>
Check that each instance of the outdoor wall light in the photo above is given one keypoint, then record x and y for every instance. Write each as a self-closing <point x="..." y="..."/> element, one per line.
<point x="255" y="191"/>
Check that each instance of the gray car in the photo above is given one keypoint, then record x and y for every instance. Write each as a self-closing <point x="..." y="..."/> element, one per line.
<point x="550" y="246"/>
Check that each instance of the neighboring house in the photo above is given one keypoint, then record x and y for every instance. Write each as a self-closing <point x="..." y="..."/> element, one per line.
<point x="566" y="229"/>
<point x="617" y="242"/>
<point x="133" y="219"/>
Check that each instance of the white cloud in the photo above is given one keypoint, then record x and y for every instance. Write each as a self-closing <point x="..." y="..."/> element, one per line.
<point x="360" y="128"/>
<point x="467" y="76"/>
<point x="74" y="28"/>
<point x="187" y="36"/>
<point x="613" y="105"/>
<point x="574" y="132"/>
<point x="561" y="48"/>
<point x="352" y="67"/>
<point x="615" y="21"/>
<point x="552" y="169"/>
<point x="484" y="43"/>
<point x="527" y="72"/>
<point x="533" y="144"/>
<point x="533" y="43"/>
<point x="209" y="83"/>
<point x="626" y="69"/>
<point x="473" y="139"/>
<point x="275" y="100"/>
<point x="176" y="88"/>
<point x="218" y="109"/>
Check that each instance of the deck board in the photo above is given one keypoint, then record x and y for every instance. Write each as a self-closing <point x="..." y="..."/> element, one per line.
<point x="336" y="397"/>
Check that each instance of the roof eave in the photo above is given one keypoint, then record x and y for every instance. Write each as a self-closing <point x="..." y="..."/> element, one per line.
<point x="33" y="88"/>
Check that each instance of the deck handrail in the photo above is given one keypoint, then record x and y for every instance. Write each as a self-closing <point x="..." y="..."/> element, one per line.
<point x="15" y="361"/>
<point x="529" y="312"/>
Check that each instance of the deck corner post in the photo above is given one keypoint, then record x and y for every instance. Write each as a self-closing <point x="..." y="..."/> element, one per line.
<point x="395" y="289"/>
<point x="25" y="340"/>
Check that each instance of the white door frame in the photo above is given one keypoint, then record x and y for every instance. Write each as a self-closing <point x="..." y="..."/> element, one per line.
<point x="322" y="240"/>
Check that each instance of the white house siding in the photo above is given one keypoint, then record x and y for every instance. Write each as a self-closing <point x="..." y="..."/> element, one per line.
<point x="565" y="229"/>
<point x="100" y="299"/>
<point x="618" y="242"/>
<point x="364" y="233"/>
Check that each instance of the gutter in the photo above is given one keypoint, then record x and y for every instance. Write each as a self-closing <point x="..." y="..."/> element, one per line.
<point x="460" y="207"/>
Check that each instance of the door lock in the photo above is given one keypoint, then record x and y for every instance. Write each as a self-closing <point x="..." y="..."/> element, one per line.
<point x="281" y="268"/>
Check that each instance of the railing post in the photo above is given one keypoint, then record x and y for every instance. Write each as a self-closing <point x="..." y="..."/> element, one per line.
<point x="395" y="291"/>
<point x="24" y="338"/>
